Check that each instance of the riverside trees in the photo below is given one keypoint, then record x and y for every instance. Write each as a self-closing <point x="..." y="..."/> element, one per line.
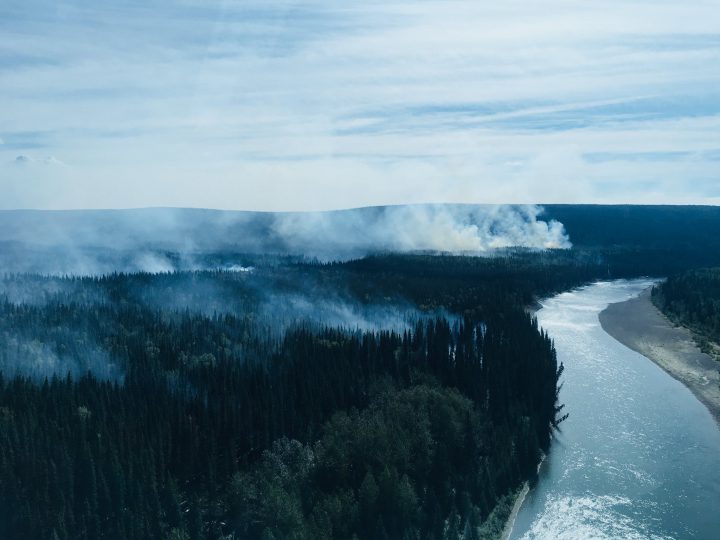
<point x="692" y="298"/>
<point x="220" y="419"/>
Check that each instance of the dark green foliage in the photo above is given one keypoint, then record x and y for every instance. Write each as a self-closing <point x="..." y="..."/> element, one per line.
<point x="387" y="470"/>
<point x="635" y="240"/>
<point x="222" y="419"/>
<point x="246" y="404"/>
<point x="693" y="300"/>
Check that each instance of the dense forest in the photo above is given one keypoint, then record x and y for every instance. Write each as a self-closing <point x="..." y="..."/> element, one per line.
<point x="692" y="299"/>
<point x="247" y="393"/>
<point x="626" y="240"/>
<point x="211" y="405"/>
<point x="636" y="240"/>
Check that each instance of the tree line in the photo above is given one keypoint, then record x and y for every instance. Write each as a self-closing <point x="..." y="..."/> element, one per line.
<point x="692" y="299"/>
<point x="216" y="424"/>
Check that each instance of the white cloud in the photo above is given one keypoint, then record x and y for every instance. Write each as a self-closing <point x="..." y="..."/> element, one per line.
<point x="52" y="161"/>
<point x="321" y="105"/>
<point x="26" y="160"/>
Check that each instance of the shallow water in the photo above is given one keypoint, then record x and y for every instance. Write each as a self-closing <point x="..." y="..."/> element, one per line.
<point x="639" y="456"/>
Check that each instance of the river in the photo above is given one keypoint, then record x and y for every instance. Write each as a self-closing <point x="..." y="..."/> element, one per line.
<point x="639" y="456"/>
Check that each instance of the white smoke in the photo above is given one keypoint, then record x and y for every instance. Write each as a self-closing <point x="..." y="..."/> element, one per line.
<point x="239" y="268"/>
<point x="21" y="355"/>
<point x="447" y="228"/>
<point x="165" y="239"/>
<point x="153" y="263"/>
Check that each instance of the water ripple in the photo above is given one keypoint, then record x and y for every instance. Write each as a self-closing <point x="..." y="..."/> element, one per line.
<point x="639" y="456"/>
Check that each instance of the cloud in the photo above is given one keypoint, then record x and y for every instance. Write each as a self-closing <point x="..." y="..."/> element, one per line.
<point x="53" y="161"/>
<point x="50" y="161"/>
<point x="318" y="105"/>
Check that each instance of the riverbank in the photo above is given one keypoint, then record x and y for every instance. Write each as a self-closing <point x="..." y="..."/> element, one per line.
<point x="510" y="521"/>
<point x="518" y="500"/>
<point x="640" y="326"/>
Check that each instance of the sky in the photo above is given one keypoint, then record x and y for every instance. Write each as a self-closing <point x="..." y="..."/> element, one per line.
<point x="334" y="104"/>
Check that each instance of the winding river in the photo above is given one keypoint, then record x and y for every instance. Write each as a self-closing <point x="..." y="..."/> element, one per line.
<point x="639" y="456"/>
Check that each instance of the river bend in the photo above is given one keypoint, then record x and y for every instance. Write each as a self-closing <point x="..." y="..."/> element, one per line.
<point x="639" y="456"/>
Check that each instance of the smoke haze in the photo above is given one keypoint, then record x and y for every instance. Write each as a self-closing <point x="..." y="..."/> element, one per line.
<point x="165" y="239"/>
<point x="445" y="228"/>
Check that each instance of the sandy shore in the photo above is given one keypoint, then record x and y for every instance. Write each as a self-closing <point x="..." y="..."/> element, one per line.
<point x="639" y="325"/>
<point x="519" y="500"/>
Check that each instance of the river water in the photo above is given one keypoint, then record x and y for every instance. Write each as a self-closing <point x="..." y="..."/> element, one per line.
<point x="639" y="456"/>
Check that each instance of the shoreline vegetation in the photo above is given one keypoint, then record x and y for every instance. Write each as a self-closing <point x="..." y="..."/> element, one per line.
<point x="692" y="300"/>
<point x="639" y="325"/>
<point x="518" y="498"/>
<point x="221" y="418"/>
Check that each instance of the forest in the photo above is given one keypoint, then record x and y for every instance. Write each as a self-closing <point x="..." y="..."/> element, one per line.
<point x="692" y="299"/>
<point x="208" y="405"/>
<point x="253" y="394"/>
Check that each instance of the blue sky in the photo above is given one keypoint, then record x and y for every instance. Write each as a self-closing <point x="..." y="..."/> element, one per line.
<point x="319" y="105"/>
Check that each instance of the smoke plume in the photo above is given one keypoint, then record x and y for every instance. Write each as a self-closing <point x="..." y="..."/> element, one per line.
<point x="444" y="228"/>
<point x="166" y="239"/>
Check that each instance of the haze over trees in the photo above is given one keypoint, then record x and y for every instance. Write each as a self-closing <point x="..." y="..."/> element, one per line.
<point x="628" y="240"/>
<point x="218" y="421"/>
<point x="286" y="395"/>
